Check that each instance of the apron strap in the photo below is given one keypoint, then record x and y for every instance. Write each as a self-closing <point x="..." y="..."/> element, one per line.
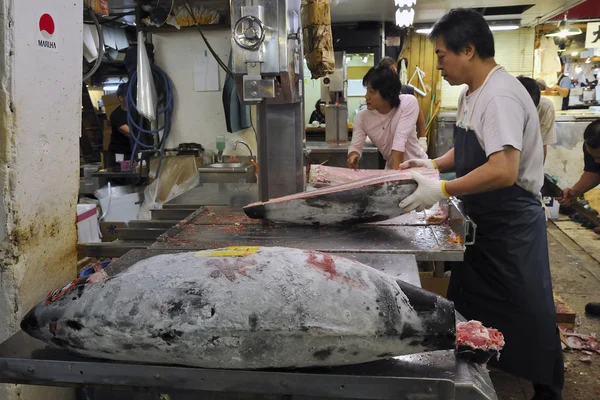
<point x="463" y="102"/>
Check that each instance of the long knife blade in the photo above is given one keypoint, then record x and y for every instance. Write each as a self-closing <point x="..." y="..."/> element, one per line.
<point x="552" y="189"/>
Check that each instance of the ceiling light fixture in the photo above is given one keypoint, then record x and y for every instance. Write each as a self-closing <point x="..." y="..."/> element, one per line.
<point x="494" y="26"/>
<point x="405" y="13"/>
<point x="563" y="30"/>
<point x="405" y="18"/>
<point x="405" y="3"/>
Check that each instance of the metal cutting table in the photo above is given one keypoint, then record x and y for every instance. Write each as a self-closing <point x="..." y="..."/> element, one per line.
<point x="392" y="246"/>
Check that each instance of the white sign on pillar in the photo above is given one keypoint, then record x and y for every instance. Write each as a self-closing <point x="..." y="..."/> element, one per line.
<point x="592" y="36"/>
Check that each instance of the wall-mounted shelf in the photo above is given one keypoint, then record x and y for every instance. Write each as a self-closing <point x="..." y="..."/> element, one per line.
<point x="171" y="29"/>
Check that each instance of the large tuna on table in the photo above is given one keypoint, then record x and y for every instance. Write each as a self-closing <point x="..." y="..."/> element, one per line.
<point x="249" y="308"/>
<point x="370" y="199"/>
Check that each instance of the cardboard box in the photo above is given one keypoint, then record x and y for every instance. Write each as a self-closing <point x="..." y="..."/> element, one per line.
<point x="109" y="230"/>
<point x="436" y="285"/>
<point x="98" y="6"/>
<point x="111" y="102"/>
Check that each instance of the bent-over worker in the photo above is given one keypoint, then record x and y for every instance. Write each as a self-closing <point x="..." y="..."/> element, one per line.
<point x="389" y="121"/>
<point x="504" y="280"/>
<point x="588" y="180"/>
<point x="120" y="142"/>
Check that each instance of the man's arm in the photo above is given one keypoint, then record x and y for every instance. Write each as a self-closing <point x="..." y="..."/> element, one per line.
<point x="445" y="163"/>
<point x="545" y="152"/>
<point x="124" y="129"/>
<point x="500" y="171"/>
<point x="587" y="181"/>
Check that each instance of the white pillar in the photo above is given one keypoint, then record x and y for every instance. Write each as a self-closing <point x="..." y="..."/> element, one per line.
<point x="40" y="124"/>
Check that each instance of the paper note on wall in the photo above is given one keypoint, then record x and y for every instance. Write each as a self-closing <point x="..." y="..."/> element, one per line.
<point x="356" y="88"/>
<point x="206" y="72"/>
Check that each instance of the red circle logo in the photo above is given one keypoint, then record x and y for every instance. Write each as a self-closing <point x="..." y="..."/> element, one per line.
<point x="46" y="26"/>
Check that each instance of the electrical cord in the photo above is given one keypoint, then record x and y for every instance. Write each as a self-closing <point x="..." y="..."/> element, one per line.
<point x="136" y="130"/>
<point x="197" y="25"/>
<point x="100" y="45"/>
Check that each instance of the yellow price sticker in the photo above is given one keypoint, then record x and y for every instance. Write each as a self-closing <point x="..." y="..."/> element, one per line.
<point x="231" y="251"/>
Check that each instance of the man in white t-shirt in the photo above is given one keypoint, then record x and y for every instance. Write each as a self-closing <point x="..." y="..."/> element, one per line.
<point x="545" y="110"/>
<point x="389" y="121"/>
<point x="504" y="279"/>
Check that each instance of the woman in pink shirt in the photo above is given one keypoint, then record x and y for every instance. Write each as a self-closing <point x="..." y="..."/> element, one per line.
<point x="389" y="121"/>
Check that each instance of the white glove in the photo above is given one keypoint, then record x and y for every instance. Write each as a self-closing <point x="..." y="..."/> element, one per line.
<point x="423" y="143"/>
<point x="429" y="192"/>
<point x="416" y="163"/>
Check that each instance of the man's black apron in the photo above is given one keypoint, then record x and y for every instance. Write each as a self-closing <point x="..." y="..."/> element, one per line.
<point x="504" y="280"/>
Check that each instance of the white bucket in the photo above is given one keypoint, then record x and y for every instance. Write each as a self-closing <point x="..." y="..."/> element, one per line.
<point x="552" y="206"/>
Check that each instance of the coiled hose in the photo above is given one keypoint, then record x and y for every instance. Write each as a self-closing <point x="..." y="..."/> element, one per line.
<point x="136" y="129"/>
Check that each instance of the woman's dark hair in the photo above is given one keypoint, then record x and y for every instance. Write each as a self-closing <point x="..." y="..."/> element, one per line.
<point x="318" y="105"/>
<point x="386" y="82"/>
<point x="387" y="62"/>
<point x="464" y="26"/>
<point x="591" y="135"/>
<point x="532" y="88"/>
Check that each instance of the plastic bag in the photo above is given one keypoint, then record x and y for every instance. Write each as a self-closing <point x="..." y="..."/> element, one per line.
<point x="178" y="175"/>
<point x="146" y="90"/>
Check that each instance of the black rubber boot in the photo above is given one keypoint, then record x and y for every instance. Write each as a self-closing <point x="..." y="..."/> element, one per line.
<point x="593" y="309"/>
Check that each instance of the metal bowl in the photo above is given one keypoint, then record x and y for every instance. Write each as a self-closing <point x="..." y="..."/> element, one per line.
<point x="226" y="165"/>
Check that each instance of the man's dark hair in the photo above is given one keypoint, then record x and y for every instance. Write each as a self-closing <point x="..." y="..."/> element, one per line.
<point x="591" y="135"/>
<point x="122" y="90"/>
<point x="464" y="26"/>
<point x="532" y="88"/>
<point x="386" y="82"/>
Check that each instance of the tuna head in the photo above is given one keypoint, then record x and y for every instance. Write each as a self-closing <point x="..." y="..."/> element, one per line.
<point x="47" y="322"/>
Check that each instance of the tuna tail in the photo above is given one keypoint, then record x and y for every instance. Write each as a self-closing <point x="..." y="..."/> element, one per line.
<point x="257" y="211"/>
<point x="437" y="316"/>
<point x="30" y="324"/>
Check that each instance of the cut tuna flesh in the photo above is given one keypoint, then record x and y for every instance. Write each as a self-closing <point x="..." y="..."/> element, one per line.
<point x="248" y="308"/>
<point x="322" y="175"/>
<point x="364" y="200"/>
<point x="478" y="343"/>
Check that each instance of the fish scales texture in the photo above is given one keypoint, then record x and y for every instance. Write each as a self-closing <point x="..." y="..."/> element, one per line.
<point x="276" y="308"/>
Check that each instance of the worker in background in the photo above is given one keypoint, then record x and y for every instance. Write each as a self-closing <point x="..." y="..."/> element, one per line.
<point x="389" y="121"/>
<point x="120" y="142"/>
<point x="545" y="111"/>
<point x="588" y="180"/>
<point x="504" y="280"/>
<point x="407" y="89"/>
<point x="563" y="88"/>
<point x="318" y="113"/>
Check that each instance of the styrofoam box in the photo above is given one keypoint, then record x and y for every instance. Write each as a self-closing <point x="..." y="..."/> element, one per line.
<point x="87" y="223"/>
<point x="121" y="208"/>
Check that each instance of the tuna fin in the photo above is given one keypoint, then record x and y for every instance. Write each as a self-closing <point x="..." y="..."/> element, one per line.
<point x="257" y="211"/>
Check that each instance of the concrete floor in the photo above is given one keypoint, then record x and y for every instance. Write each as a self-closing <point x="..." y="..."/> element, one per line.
<point x="575" y="265"/>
